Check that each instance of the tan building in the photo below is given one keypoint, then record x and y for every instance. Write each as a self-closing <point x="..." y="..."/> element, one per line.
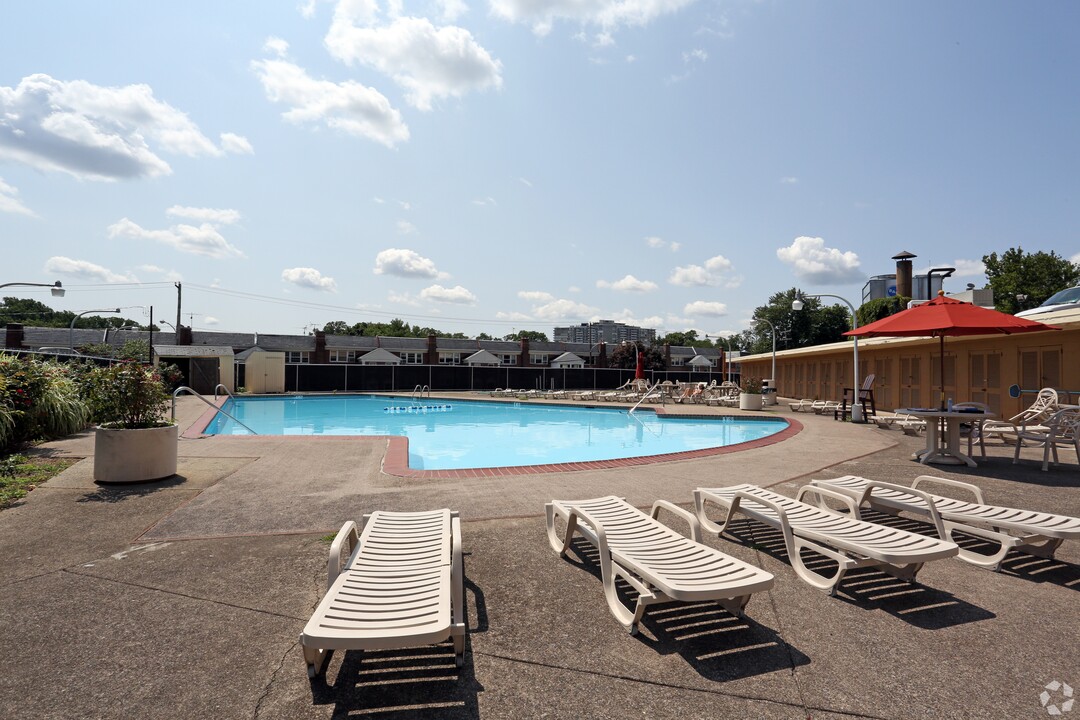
<point x="977" y="368"/>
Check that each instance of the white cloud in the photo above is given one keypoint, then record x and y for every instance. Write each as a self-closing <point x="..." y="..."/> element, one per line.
<point x="94" y="132"/>
<point x="535" y="296"/>
<point x="10" y="202"/>
<point x="711" y="274"/>
<point x="525" y="182"/>
<point x="309" y="278"/>
<point x="347" y="106"/>
<point x="456" y="294"/>
<point x="236" y="144"/>
<point x="201" y="240"/>
<point x="697" y="55"/>
<point x="276" y="46"/>
<point x="404" y="227"/>
<point x="515" y="316"/>
<point x="659" y="243"/>
<point x="429" y="63"/>
<point x="403" y="298"/>
<point x="378" y="201"/>
<point x="969" y="268"/>
<point x="405" y="263"/>
<point x="170" y="275"/>
<point x="608" y="14"/>
<point x="562" y="309"/>
<point x="705" y="308"/>
<point x="629" y="283"/>
<point x="812" y="262"/>
<point x="451" y="10"/>
<point x="210" y="320"/>
<point x="404" y="204"/>
<point x="1075" y="258"/>
<point x="307" y="9"/>
<point x="483" y="202"/>
<point x="789" y="180"/>
<point x="84" y="270"/>
<point x="217" y="216"/>
<point x="630" y="59"/>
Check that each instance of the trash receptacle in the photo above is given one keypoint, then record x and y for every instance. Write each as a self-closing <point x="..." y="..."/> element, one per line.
<point x="768" y="391"/>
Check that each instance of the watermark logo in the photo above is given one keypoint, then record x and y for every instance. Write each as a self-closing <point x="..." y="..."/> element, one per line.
<point x="1057" y="698"/>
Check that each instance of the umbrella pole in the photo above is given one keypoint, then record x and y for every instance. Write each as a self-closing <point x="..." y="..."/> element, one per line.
<point x="941" y="369"/>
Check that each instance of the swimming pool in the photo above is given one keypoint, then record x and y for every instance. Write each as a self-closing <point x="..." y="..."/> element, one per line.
<point x="445" y="435"/>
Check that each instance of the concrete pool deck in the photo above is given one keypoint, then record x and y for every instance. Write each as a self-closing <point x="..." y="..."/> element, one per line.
<point x="184" y="598"/>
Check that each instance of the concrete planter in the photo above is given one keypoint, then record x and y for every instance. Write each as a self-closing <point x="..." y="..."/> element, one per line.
<point x="125" y="456"/>
<point x="750" y="401"/>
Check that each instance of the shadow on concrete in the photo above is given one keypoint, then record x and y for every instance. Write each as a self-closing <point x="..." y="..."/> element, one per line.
<point x="119" y="492"/>
<point x="869" y="588"/>
<point x="1028" y="471"/>
<point x="411" y="683"/>
<point x="1016" y="564"/>
<point x="718" y="645"/>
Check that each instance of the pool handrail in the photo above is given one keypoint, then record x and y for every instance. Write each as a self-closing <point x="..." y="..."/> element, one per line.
<point x="185" y="388"/>
<point x="419" y="390"/>
<point x="646" y="395"/>
<point x="222" y="386"/>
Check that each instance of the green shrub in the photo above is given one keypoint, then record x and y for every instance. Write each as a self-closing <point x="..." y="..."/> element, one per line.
<point x="38" y="400"/>
<point x="127" y="395"/>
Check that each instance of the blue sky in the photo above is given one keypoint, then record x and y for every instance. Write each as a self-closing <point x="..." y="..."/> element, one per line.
<point x="518" y="164"/>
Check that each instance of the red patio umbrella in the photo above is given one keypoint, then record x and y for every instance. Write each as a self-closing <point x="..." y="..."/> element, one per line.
<point x="639" y="371"/>
<point x="946" y="316"/>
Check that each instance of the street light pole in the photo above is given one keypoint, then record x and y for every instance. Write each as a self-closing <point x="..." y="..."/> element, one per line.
<point x="856" y="409"/>
<point x="57" y="287"/>
<point x="773" y="376"/>
<point x="71" y="330"/>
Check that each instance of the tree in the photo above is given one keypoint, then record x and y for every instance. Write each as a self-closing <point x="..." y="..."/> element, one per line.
<point x="338" y="327"/>
<point x="874" y="310"/>
<point x="688" y="338"/>
<point x="530" y="335"/>
<point x="625" y="356"/>
<point x="1035" y="276"/>
<point x="815" y="324"/>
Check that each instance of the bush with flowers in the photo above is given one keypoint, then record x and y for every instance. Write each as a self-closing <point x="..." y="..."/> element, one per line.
<point x="127" y="396"/>
<point x="38" y="400"/>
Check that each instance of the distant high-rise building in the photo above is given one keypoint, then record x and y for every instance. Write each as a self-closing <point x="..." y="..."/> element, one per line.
<point x="607" y="331"/>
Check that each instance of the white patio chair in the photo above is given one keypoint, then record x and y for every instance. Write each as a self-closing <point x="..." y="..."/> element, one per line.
<point x="1063" y="428"/>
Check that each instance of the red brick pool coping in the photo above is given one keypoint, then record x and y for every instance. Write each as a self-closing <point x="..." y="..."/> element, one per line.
<point x="396" y="460"/>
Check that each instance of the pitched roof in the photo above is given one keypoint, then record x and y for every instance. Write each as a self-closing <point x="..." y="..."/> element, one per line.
<point x="168" y="351"/>
<point x="482" y="357"/>
<point x="567" y="358"/>
<point x="379" y="356"/>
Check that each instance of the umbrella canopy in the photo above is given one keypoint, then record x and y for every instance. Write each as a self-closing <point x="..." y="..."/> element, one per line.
<point x="944" y="316"/>
<point x="639" y="371"/>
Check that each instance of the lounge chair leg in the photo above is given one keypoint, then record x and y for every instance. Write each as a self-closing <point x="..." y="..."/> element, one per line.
<point x="316" y="660"/>
<point x="736" y="605"/>
<point x="559" y="546"/>
<point x="1043" y="550"/>
<point x="906" y="573"/>
<point x="821" y="582"/>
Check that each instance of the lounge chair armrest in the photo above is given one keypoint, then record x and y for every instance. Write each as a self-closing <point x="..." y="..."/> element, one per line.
<point x="821" y="492"/>
<point x="750" y="497"/>
<point x="973" y="489"/>
<point x="348" y="533"/>
<point x="695" y="526"/>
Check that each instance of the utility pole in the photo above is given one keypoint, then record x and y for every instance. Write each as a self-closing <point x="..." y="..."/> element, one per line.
<point x="178" y="291"/>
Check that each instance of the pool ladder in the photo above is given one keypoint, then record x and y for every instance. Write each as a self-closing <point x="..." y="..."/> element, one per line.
<point x="419" y="390"/>
<point x="189" y="391"/>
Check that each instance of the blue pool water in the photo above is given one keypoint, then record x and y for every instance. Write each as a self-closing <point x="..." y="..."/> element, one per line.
<point x="447" y="435"/>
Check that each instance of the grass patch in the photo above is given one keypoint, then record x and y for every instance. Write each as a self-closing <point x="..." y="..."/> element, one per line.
<point x="20" y="474"/>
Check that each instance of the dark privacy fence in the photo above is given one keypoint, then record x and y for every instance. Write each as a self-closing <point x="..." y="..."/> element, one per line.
<point x="403" y="378"/>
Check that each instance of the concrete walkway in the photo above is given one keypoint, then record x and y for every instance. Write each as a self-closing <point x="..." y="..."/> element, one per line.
<point x="184" y="598"/>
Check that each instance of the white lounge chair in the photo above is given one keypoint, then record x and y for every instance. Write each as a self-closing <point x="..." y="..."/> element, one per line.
<point x="402" y="586"/>
<point x="659" y="563"/>
<point x="1034" y="533"/>
<point x="1062" y="428"/>
<point x="1045" y="404"/>
<point x="851" y="542"/>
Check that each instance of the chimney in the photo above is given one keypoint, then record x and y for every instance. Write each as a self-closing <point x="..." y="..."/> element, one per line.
<point x="524" y="359"/>
<point x="13" y="339"/>
<point x="903" y="273"/>
<point x="321" y="354"/>
<point x="183" y="335"/>
<point x="432" y="350"/>
<point x="601" y="358"/>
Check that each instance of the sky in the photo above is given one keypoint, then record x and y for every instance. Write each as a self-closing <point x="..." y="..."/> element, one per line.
<point x="516" y="165"/>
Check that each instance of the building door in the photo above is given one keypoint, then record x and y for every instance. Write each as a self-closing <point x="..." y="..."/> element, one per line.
<point x="910" y="382"/>
<point x="1040" y="368"/>
<point x="986" y="380"/>
<point x="883" y="382"/>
